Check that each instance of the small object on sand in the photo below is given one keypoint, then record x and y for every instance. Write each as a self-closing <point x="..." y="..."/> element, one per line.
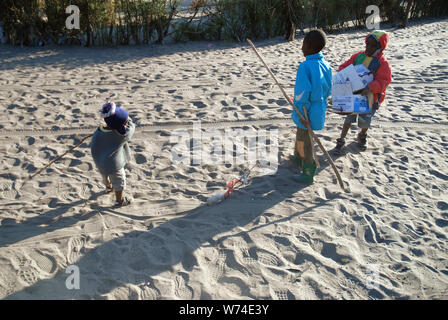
<point x="215" y="199"/>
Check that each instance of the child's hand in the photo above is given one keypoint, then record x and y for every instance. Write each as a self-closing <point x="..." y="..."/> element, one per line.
<point x="364" y="92"/>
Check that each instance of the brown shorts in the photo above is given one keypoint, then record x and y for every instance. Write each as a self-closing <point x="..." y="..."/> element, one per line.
<point x="303" y="136"/>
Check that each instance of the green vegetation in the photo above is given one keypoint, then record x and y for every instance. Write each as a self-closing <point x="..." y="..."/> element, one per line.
<point x="124" y="22"/>
<point x="102" y="22"/>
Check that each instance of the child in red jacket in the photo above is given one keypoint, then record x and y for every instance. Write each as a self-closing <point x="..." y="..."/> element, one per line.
<point x="373" y="58"/>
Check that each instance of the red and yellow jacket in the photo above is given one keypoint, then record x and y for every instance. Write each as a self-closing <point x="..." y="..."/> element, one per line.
<point x="378" y="65"/>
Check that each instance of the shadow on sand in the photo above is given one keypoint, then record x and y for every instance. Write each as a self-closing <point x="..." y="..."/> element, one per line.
<point x="12" y="232"/>
<point x="138" y="256"/>
<point x="70" y="57"/>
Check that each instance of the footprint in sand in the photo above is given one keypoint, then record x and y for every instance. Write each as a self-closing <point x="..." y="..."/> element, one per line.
<point x="63" y="191"/>
<point x="140" y="159"/>
<point x="6" y="190"/>
<point x="329" y="250"/>
<point x="371" y="234"/>
<point x="44" y="262"/>
<point x="442" y="223"/>
<point x="235" y="285"/>
<point x="120" y="293"/>
<point x="199" y="104"/>
<point x="181" y="290"/>
<point x="247" y="107"/>
<point x="31" y="141"/>
<point x="7" y="281"/>
<point x="217" y="266"/>
<point x="282" y="295"/>
<point x="28" y="274"/>
<point x="148" y="293"/>
<point x="6" y="290"/>
<point x="267" y="258"/>
<point x="75" y="249"/>
<point x="242" y="253"/>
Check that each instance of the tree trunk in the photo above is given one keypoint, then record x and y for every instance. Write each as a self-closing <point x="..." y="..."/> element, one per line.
<point x="406" y="15"/>
<point x="290" y="26"/>
<point x="88" y="30"/>
<point x="293" y="32"/>
<point x="111" y="34"/>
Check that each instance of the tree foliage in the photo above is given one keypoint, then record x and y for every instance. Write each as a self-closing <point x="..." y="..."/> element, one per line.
<point x="124" y="22"/>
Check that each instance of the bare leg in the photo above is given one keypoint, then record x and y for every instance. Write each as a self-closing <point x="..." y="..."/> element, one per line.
<point x="345" y="129"/>
<point x="119" y="195"/>
<point x="107" y="182"/>
<point x="340" y="142"/>
<point x="362" y="139"/>
<point x="300" y="147"/>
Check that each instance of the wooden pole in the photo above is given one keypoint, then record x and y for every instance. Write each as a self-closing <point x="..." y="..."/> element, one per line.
<point x="54" y="160"/>
<point x="338" y="176"/>
<point x="311" y="139"/>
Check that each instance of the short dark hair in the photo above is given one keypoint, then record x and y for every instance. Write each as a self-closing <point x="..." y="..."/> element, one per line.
<point x="317" y="39"/>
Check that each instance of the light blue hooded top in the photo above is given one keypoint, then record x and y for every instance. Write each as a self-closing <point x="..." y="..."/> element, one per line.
<point x="313" y="87"/>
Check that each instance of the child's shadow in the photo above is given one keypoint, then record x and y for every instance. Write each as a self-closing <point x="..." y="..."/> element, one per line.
<point x="139" y="255"/>
<point x="12" y="232"/>
<point x="351" y="148"/>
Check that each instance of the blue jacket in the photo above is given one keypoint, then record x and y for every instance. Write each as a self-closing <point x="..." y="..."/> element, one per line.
<point x="313" y="87"/>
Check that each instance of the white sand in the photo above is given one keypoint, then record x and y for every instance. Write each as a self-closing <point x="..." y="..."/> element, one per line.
<point x="383" y="238"/>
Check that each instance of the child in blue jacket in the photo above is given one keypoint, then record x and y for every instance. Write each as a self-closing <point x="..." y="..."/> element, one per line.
<point x="313" y="87"/>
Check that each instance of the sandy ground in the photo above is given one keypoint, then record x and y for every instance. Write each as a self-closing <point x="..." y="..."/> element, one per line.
<point x="385" y="237"/>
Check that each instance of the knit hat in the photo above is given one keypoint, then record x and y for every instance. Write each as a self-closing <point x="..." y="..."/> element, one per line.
<point x="382" y="38"/>
<point x="114" y="116"/>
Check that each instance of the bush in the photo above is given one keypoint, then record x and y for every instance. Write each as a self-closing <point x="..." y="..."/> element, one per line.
<point x="124" y="22"/>
<point x="102" y="22"/>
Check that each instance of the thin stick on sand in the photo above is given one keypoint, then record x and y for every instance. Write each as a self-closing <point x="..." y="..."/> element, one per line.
<point x="54" y="160"/>
<point x="311" y="132"/>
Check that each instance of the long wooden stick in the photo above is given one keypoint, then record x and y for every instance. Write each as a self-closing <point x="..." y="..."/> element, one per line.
<point x="338" y="176"/>
<point x="313" y="152"/>
<point x="56" y="159"/>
